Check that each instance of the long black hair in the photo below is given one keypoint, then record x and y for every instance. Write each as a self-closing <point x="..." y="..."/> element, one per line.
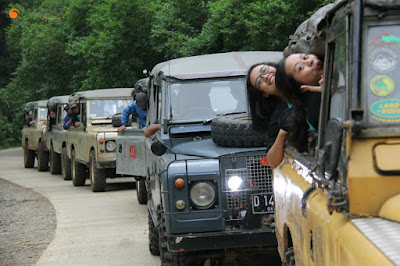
<point x="260" y="107"/>
<point x="290" y="91"/>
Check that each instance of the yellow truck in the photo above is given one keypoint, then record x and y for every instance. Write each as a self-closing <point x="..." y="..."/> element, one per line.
<point x="339" y="204"/>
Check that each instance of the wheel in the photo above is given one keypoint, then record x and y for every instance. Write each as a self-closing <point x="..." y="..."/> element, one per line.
<point x="29" y="157"/>
<point x="236" y="131"/>
<point x="97" y="176"/>
<point x="289" y="257"/>
<point x="43" y="158"/>
<point x="55" y="162"/>
<point x="168" y="258"/>
<point x="153" y="237"/>
<point x="65" y="164"/>
<point x="141" y="191"/>
<point x="78" y="171"/>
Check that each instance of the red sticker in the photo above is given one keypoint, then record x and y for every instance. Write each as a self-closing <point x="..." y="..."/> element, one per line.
<point x="132" y="152"/>
<point x="264" y="161"/>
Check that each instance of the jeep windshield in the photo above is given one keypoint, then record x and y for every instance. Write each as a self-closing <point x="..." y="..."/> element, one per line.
<point x="104" y="109"/>
<point x="199" y="100"/>
<point x="41" y="115"/>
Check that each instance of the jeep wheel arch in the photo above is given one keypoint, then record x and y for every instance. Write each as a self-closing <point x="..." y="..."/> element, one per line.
<point x="236" y="131"/>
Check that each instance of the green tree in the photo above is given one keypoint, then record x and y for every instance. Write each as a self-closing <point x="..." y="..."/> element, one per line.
<point x="175" y="24"/>
<point x="113" y="49"/>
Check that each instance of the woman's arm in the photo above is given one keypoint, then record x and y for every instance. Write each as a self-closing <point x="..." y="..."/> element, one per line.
<point x="275" y="154"/>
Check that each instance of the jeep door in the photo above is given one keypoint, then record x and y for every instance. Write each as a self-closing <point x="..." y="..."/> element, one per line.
<point x="131" y="154"/>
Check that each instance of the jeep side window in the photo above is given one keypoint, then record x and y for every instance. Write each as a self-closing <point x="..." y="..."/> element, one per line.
<point x="158" y="92"/>
<point x="35" y="116"/>
<point x="337" y="84"/>
<point x="83" y="113"/>
<point x="60" y="115"/>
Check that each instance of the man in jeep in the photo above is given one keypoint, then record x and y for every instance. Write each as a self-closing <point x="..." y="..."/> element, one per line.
<point x="75" y="119"/>
<point x="138" y="108"/>
<point x="29" y="119"/>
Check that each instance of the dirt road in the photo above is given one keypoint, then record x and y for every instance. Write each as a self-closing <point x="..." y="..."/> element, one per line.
<point x="107" y="228"/>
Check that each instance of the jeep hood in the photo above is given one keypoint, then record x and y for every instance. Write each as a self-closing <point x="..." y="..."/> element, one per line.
<point x="207" y="148"/>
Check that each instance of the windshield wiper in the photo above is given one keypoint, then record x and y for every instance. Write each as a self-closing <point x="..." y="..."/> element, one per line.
<point x="212" y="118"/>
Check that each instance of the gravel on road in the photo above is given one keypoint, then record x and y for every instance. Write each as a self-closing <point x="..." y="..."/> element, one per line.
<point x="27" y="224"/>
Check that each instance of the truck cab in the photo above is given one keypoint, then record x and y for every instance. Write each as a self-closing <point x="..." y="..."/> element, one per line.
<point x="339" y="204"/>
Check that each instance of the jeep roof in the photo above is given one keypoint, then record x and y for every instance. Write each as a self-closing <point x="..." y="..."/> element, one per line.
<point x="30" y="105"/>
<point x="59" y="99"/>
<point x="206" y="66"/>
<point x="119" y="93"/>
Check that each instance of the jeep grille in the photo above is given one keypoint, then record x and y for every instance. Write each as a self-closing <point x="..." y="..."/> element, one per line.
<point x="256" y="179"/>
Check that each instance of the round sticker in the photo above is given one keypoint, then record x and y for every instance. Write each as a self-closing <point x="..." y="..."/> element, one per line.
<point x="383" y="60"/>
<point x="382" y="85"/>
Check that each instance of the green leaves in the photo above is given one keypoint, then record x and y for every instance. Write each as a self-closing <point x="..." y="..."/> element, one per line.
<point x="60" y="46"/>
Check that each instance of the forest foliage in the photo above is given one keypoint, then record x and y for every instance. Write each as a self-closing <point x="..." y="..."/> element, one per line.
<point x="56" y="47"/>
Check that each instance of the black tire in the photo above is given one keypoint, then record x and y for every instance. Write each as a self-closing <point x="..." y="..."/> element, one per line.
<point x="236" y="131"/>
<point x="97" y="176"/>
<point x="153" y="237"/>
<point x="141" y="192"/>
<point x="289" y="257"/>
<point x="55" y="161"/>
<point x="29" y="157"/>
<point x="43" y="158"/>
<point x="78" y="172"/>
<point x="168" y="258"/>
<point x="65" y="164"/>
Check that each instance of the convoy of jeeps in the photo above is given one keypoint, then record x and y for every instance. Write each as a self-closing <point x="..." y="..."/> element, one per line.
<point x="204" y="176"/>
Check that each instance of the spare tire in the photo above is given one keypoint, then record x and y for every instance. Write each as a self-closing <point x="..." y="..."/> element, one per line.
<point x="236" y="131"/>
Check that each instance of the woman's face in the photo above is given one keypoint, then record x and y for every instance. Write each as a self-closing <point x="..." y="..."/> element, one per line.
<point x="305" y="68"/>
<point x="262" y="77"/>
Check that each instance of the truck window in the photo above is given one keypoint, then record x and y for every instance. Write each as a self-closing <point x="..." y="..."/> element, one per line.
<point x="60" y="115"/>
<point x="337" y="82"/>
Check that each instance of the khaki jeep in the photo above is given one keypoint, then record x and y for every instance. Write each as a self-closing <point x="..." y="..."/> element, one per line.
<point x="339" y="204"/>
<point x="91" y="147"/>
<point x="33" y="137"/>
<point x="56" y="138"/>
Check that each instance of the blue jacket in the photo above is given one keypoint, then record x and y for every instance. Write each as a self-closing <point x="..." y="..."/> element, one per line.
<point x="133" y="109"/>
<point x="66" y="119"/>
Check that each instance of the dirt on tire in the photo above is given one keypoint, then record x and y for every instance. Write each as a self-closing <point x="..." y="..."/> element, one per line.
<point x="27" y="224"/>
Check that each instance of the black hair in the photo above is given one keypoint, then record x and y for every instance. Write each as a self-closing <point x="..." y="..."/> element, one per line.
<point x="290" y="91"/>
<point x="260" y="107"/>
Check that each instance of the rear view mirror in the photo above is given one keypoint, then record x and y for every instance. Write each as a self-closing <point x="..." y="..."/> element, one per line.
<point x="158" y="148"/>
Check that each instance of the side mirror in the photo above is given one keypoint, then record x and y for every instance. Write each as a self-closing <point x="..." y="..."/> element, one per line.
<point x="158" y="148"/>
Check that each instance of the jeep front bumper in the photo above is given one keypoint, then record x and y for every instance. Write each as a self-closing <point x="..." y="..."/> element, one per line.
<point x="221" y="240"/>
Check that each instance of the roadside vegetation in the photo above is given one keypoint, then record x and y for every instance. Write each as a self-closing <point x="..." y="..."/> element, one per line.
<point x="56" y="47"/>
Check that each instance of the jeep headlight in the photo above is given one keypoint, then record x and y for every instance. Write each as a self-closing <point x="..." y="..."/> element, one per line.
<point x="202" y="194"/>
<point x="235" y="182"/>
<point x="110" y="146"/>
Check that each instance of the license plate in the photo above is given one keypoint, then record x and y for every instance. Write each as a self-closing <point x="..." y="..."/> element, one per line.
<point x="263" y="203"/>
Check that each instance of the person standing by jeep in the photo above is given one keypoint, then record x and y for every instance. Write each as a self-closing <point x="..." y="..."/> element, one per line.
<point x="138" y="108"/>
